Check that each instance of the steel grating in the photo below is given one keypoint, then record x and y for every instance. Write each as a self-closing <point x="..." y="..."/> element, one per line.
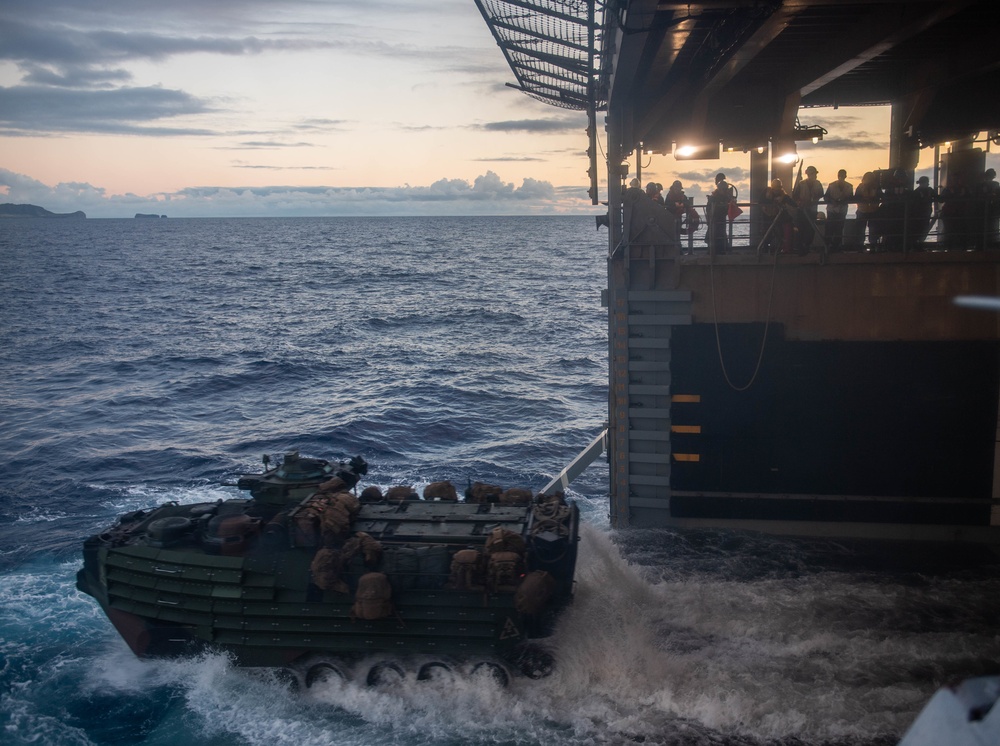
<point x="553" y="48"/>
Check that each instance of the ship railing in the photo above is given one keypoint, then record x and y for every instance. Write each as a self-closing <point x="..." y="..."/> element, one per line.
<point x="956" y="225"/>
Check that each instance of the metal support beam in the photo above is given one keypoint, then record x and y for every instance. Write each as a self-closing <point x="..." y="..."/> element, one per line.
<point x="583" y="459"/>
<point x="758" y="183"/>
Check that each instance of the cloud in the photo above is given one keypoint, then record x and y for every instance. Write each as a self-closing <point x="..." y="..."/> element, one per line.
<point x="321" y="125"/>
<point x="559" y="126"/>
<point x="28" y="110"/>
<point x="488" y="194"/>
<point x="21" y="189"/>
<point x="79" y="77"/>
<point x="733" y="174"/>
<point x="262" y="167"/>
<point x="84" y="41"/>
<point x="61" y="46"/>
<point x="847" y="143"/>
<point x="508" y="159"/>
<point x="91" y="48"/>
<point x="270" y="145"/>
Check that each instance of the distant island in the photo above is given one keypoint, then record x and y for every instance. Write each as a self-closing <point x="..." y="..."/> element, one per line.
<point x="148" y="215"/>
<point x="8" y="210"/>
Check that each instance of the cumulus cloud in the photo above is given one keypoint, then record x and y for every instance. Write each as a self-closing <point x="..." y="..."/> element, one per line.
<point x="486" y="195"/>
<point x="21" y="189"/>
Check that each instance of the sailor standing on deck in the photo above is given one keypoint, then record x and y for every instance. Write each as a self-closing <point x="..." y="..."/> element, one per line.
<point x="922" y="209"/>
<point x="892" y="214"/>
<point x="807" y="194"/>
<point x="869" y="197"/>
<point x="718" y="210"/>
<point x="838" y="194"/>
<point x="676" y="203"/>
<point x="989" y="193"/>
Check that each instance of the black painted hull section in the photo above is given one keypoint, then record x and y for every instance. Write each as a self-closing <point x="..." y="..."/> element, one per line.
<point x="902" y="432"/>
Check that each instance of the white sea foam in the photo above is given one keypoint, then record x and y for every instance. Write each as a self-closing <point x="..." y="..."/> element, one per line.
<point x="144" y="496"/>
<point x="40" y="515"/>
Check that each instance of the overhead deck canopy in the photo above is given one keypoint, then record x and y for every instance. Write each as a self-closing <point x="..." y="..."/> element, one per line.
<point x="737" y="71"/>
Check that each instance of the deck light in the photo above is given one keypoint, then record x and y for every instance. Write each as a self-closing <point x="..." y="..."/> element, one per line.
<point x="785" y="153"/>
<point x="697" y="152"/>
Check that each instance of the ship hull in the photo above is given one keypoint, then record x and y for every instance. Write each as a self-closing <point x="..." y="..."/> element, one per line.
<point x="847" y="397"/>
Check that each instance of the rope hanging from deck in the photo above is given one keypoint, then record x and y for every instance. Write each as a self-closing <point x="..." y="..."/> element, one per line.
<point x="767" y="320"/>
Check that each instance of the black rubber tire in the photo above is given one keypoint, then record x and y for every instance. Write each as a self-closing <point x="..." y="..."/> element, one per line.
<point x="494" y="670"/>
<point x="321" y="673"/>
<point x="384" y="673"/>
<point x="288" y="678"/>
<point x="536" y="664"/>
<point x="435" y="671"/>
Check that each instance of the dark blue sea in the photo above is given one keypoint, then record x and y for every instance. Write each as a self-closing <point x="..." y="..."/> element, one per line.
<point x="153" y="360"/>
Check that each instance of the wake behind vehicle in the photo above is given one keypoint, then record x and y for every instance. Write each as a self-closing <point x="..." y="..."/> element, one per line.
<point x="308" y="576"/>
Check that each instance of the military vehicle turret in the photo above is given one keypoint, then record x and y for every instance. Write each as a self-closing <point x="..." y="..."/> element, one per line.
<point x="309" y="576"/>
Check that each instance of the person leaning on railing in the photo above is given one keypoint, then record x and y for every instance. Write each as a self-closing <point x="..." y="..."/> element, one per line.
<point x="777" y="206"/>
<point x="922" y="209"/>
<point x="677" y="204"/>
<point x="989" y="193"/>
<point x="957" y="200"/>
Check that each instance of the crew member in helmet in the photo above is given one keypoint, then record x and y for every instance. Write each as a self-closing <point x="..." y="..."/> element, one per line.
<point x="718" y="209"/>
<point x="806" y="195"/>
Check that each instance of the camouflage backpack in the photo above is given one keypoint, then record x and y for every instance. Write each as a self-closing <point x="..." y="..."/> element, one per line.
<point x="505" y="571"/>
<point x="373" y="599"/>
<point x="467" y="570"/>
<point x="534" y="592"/>
<point x="326" y="568"/>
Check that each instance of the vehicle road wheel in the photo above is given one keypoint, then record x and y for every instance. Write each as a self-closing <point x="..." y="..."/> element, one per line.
<point x="323" y="673"/>
<point x="287" y="678"/>
<point x="385" y="672"/>
<point x="435" y="671"/>
<point x="536" y="663"/>
<point x="494" y="671"/>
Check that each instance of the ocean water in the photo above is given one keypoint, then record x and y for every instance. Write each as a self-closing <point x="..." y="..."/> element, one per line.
<point x="152" y="360"/>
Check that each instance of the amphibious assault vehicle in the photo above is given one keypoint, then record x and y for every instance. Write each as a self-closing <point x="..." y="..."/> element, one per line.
<point x="308" y="576"/>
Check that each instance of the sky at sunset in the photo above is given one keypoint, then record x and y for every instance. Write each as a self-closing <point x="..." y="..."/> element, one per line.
<point x="305" y="107"/>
